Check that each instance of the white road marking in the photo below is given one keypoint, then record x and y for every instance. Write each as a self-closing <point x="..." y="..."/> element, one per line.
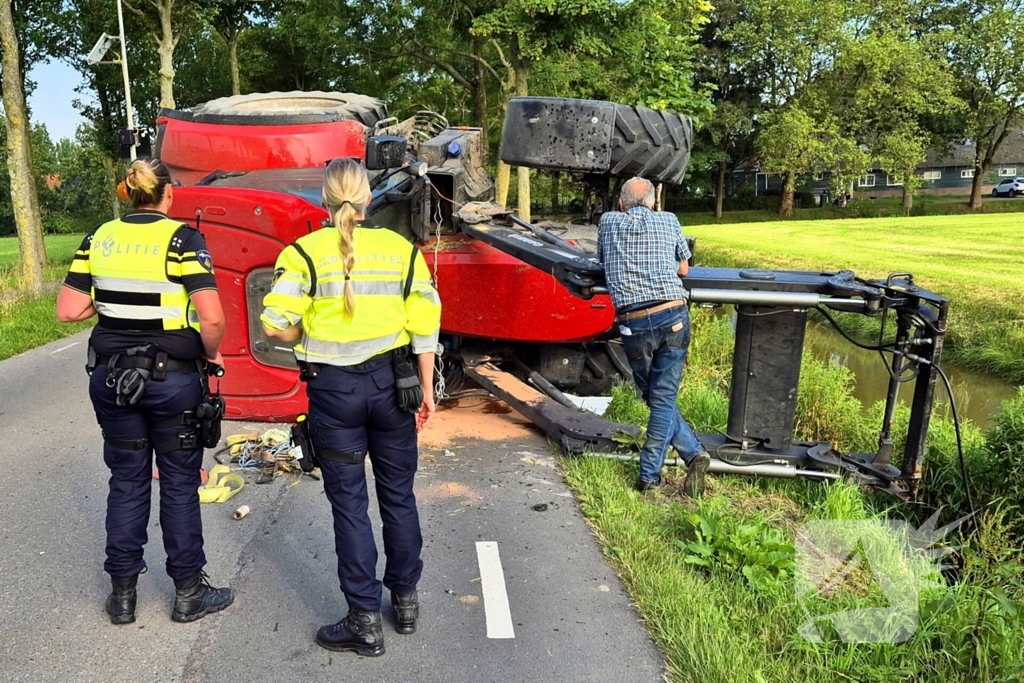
<point x="65" y="348"/>
<point x="492" y="582"/>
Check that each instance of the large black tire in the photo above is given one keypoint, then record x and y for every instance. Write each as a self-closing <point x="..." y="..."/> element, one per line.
<point x="591" y="136"/>
<point x="287" y="108"/>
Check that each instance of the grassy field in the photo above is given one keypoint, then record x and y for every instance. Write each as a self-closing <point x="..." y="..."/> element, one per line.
<point x="60" y="249"/>
<point x="716" y="580"/>
<point x="26" y="323"/>
<point x="976" y="261"/>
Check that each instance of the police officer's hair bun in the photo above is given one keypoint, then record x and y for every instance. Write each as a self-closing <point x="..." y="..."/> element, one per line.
<point x="146" y="181"/>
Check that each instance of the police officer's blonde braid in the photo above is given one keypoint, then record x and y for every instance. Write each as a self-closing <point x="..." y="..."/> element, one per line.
<point x="345" y="190"/>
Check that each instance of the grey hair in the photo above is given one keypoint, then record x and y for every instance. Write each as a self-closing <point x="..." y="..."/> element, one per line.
<point x="637" y="192"/>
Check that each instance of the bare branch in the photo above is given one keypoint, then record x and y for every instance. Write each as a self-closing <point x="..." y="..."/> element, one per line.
<point x="133" y="9"/>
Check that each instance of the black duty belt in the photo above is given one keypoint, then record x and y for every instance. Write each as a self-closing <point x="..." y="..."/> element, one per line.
<point x="151" y="363"/>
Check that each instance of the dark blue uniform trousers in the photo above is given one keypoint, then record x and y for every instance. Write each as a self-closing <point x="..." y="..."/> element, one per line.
<point x="131" y="475"/>
<point x="355" y="409"/>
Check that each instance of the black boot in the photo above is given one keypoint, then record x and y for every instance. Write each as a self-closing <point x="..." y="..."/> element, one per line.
<point x="360" y="632"/>
<point x="694" y="484"/>
<point x="407" y="607"/>
<point x="121" y="603"/>
<point x="194" y="598"/>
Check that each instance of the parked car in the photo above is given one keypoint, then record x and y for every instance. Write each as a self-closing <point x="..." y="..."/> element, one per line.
<point x="1011" y="187"/>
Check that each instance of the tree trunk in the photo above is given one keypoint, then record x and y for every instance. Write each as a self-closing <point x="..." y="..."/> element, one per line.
<point x="165" y="49"/>
<point x="720" y="189"/>
<point x="23" y="189"/>
<point x="786" y="200"/>
<point x="236" y="84"/>
<point x="556" y="203"/>
<point x="908" y="200"/>
<point x="479" y="88"/>
<point x="502" y="181"/>
<point x="115" y="201"/>
<point x="523" y="177"/>
<point x="976" y="185"/>
<point x="520" y="68"/>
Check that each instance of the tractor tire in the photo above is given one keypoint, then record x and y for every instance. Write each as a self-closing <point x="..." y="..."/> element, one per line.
<point x="291" y="108"/>
<point x="595" y="137"/>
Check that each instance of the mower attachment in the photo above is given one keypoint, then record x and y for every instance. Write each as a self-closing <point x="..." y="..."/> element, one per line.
<point x="772" y="308"/>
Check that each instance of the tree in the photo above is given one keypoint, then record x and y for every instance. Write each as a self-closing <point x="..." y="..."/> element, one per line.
<point x="787" y="45"/>
<point x="230" y="19"/>
<point x="728" y="136"/>
<point x="886" y="90"/>
<point x="899" y="151"/>
<point x="789" y="144"/>
<point x="161" y="28"/>
<point x="24" y="199"/>
<point x="984" y="43"/>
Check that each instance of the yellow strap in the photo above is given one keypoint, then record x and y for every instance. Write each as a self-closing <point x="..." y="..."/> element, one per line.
<point x="218" y="488"/>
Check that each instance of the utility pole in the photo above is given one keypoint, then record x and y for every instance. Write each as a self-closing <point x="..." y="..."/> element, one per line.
<point x="124" y="73"/>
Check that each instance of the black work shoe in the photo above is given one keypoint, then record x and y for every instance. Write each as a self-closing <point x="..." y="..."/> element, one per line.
<point x="646" y="486"/>
<point x="694" y="484"/>
<point x="121" y="603"/>
<point x="407" y="607"/>
<point x="360" y="632"/>
<point x="194" y="598"/>
<point x="661" y="487"/>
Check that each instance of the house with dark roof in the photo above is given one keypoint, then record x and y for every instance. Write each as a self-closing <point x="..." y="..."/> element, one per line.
<point x="948" y="171"/>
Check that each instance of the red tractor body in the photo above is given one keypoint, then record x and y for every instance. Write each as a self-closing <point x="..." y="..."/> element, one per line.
<point x="248" y="218"/>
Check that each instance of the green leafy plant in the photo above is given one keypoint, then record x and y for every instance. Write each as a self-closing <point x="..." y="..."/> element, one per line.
<point x="720" y="543"/>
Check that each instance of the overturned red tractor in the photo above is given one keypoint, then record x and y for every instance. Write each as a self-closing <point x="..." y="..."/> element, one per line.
<point x="525" y="307"/>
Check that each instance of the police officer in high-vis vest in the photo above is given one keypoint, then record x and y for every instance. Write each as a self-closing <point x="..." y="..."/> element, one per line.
<point x="360" y="303"/>
<point x="150" y="281"/>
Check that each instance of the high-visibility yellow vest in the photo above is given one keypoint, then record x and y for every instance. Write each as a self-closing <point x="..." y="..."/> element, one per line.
<point x="136" y="278"/>
<point x="312" y="293"/>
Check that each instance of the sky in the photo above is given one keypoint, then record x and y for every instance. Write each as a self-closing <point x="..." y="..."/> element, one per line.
<point x="51" y="103"/>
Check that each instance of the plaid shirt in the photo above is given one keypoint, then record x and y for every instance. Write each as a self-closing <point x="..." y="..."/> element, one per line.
<point x="641" y="250"/>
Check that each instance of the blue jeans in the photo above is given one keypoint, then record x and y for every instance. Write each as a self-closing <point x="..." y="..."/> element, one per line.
<point x="355" y="409"/>
<point x="656" y="347"/>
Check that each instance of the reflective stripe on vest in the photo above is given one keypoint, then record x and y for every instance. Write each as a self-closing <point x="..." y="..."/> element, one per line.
<point x="131" y="287"/>
<point x="379" y="322"/>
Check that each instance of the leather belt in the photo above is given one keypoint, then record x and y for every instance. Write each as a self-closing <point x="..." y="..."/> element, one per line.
<point x="643" y="313"/>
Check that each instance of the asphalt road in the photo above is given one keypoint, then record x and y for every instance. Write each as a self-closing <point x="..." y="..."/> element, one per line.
<point x="572" y="619"/>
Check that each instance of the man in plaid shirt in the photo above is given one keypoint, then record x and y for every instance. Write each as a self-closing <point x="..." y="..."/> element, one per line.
<point x="645" y="254"/>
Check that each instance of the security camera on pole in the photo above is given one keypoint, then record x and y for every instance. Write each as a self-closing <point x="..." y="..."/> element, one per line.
<point x="130" y="137"/>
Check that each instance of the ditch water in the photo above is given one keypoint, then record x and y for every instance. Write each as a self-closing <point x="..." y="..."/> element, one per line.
<point x="978" y="395"/>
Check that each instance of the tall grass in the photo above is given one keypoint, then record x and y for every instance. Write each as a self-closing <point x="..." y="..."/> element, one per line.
<point x="717" y="592"/>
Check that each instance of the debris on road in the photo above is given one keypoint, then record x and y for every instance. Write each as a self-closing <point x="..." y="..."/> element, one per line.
<point x="222" y="486"/>
<point x="241" y="512"/>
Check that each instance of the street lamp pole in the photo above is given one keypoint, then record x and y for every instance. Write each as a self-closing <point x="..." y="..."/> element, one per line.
<point x="124" y="73"/>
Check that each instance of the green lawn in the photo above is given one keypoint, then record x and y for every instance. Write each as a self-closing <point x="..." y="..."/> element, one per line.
<point x="977" y="261"/>
<point x="26" y="323"/>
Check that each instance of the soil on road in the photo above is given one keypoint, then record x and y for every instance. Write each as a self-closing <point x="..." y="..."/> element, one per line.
<point x="485" y="477"/>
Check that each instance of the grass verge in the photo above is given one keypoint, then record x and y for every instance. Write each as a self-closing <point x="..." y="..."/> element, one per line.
<point x="716" y="579"/>
<point x="27" y="322"/>
<point x="60" y="250"/>
<point x="973" y="260"/>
